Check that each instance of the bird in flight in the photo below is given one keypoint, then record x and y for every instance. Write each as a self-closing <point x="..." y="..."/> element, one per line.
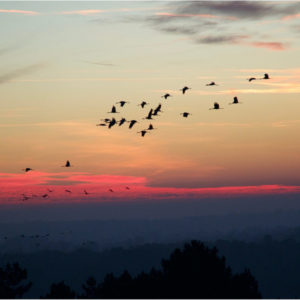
<point x="25" y="198"/>
<point x="185" y="89"/>
<point x="150" y="127"/>
<point x="216" y="106"/>
<point x="27" y="169"/>
<point x="113" y="110"/>
<point x="251" y="78"/>
<point x="122" y="103"/>
<point x="235" y="101"/>
<point x="85" y="192"/>
<point x="211" y="84"/>
<point x="143" y="132"/>
<point x="45" y="196"/>
<point x="50" y="191"/>
<point x="112" y="123"/>
<point x="266" y="76"/>
<point x="111" y="190"/>
<point x="122" y="121"/>
<point x="185" y="114"/>
<point x="149" y="116"/>
<point x="101" y="124"/>
<point x="143" y="104"/>
<point x="166" y="96"/>
<point x="132" y="122"/>
<point x="67" y="165"/>
<point x="68" y="191"/>
<point x="127" y="188"/>
<point x="157" y="110"/>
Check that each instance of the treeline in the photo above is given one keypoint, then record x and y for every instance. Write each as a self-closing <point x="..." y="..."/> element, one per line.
<point x="196" y="271"/>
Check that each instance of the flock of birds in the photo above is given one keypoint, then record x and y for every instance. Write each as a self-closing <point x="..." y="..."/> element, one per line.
<point x="153" y="112"/>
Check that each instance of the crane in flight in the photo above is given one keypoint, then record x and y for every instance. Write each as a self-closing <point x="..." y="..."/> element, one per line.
<point x="216" y="106"/>
<point x="235" y="100"/>
<point x="166" y="96"/>
<point x="142" y="132"/>
<point x="211" y="83"/>
<point x="131" y="123"/>
<point x="67" y="164"/>
<point x="122" y="103"/>
<point x="185" y="114"/>
<point x="143" y="104"/>
<point x="113" y="110"/>
<point x="185" y="89"/>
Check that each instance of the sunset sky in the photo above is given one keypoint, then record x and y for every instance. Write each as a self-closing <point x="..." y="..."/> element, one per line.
<point x="64" y="64"/>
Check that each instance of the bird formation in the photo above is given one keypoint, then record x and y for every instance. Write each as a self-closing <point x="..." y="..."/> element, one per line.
<point x="153" y="112"/>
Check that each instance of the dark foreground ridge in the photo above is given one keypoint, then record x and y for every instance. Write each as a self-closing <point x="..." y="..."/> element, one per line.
<point x="196" y="271"/>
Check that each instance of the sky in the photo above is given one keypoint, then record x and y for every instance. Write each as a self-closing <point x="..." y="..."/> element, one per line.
<point x="64" y="64"/>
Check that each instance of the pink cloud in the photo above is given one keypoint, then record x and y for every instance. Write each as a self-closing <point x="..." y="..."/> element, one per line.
<point x="85" y="12"/>
<point x="291" y="17"/>
<point x="17" y="11"/>
<point x="277" y="46"/>
<point x="36" y="184"/>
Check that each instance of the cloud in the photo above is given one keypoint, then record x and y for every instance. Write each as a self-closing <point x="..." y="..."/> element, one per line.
<point x="176" y="15"/>
<point x="277" y="46"/>
<point x="38" y="183"/>
<point x="219" y="39"/>
<point x="85" y="12"/>
<point x="17" y="73"/>
<point x="17" y="11"/>
<point x="238" y="9"/>
<point x="291" y="17"/>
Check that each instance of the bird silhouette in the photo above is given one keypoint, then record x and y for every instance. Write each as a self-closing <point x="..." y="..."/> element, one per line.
<point x="185" y="89"/>
<point x="50" y="191"/>
<point x="85" y="192"/>
<point x="111" y="190"/>
<point x="122" y="121"/>
<point x="211" y="84"/>
<point x="185" y="114"/>
<point x="101" y="124"/>
<point x="150" y="127"/>
<point x="122" y="103"/>
<point x="127" y="188"/>
<point x="157" y="110"/>
<point x="106" y="120"/>
<point x="113" y="110"/>
<point x="27" y="170"/>
<point x="166" y="96"/>
<point x="266" y="76"/>
<point x="149" y="116"/>
<point x="235" y="101"/>
<point x="112" y="123"/>
<point x="131" y="123"/>
<point x="251" y="79"/>
<point x="45" y="195"/>
<point x="216" y="106"/>
<point x="68" y="191"/>
<point x="25" y="198"/>
<point x="143" y="104"/>
<point x="67" y="165"/>
<point x="143" y="132"/>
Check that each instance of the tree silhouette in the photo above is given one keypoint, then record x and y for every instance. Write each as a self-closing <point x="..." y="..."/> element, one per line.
<point x="194" y="272"/>
<point x="10" y="282"/>
<point x="60" y="291"/>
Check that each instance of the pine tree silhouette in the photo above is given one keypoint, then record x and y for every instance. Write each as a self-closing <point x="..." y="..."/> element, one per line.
<point x="11" y="278"/>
